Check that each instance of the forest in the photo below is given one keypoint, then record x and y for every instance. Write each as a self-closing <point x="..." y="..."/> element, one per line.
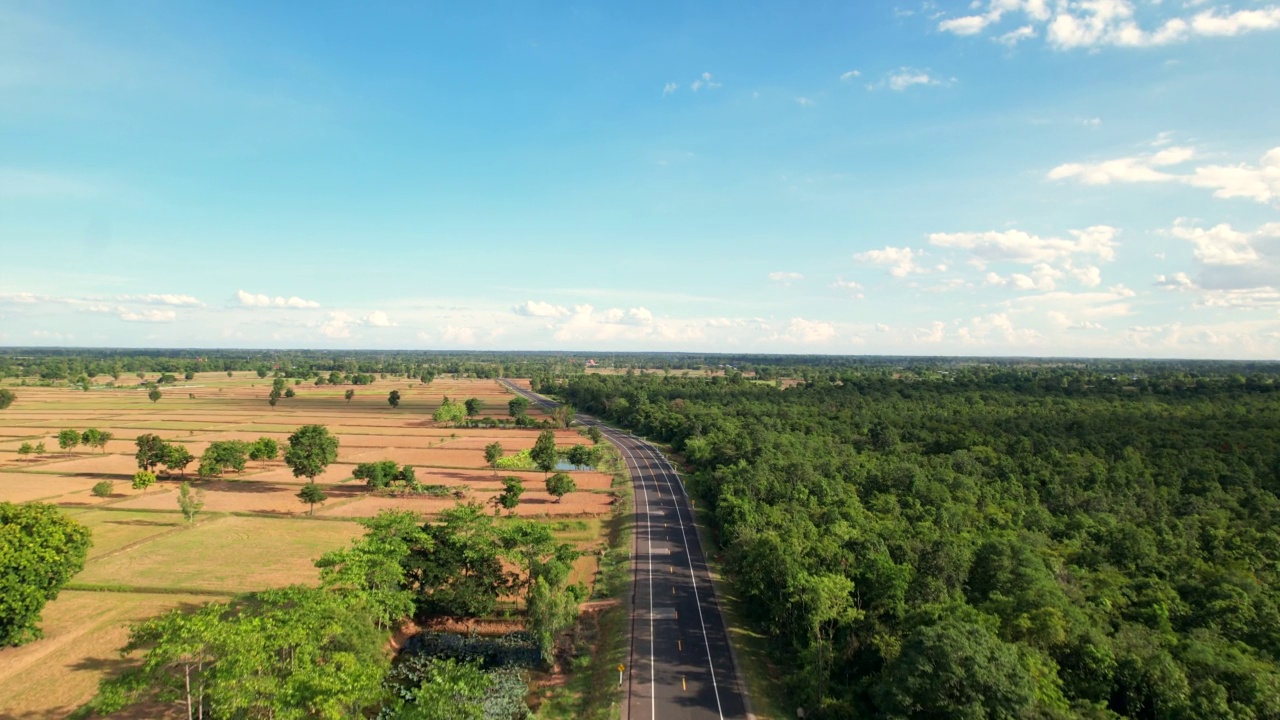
<point x="990" y="540"/>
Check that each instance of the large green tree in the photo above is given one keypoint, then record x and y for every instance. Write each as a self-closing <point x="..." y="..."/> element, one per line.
<point x="41" y="548"/>
<point x="544" y="453"/>
<point x="311" y="449"/>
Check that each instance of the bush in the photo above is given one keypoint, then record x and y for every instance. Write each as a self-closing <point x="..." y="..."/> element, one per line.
<point x="104" y="489"/>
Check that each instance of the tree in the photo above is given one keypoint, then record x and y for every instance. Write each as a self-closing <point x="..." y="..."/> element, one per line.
<point x="562" y="415"/>
<point x="68" y="439"/>
<point x="40" y="448"/>
<point x="6" y="398"/>
<point x="560" y="485"/>
<point x="154" y="395"/>
<point x="95" y="438"/>
<point x="288" y="392"/>
<point x="349" y="394"/>
<point x="223" y="455"/>
<point x="188" y="375"/>
<point x="449" y="690"/>
<point x="151" y="451"/>
<point x="377" y="475"/>
<point x="393" y="399"/>
<point x="450" y="411"/>
<point x="492" y="454"/>
<point x="41" y="548"/>
<point x="273" y="400"/>
<point x="373" y="567"/>
<point x="103" y="489"/>
<point x="262" y="372"/>
<point x="311" y="493"/>
<point x="512" y="489"/>
<point x="474" y="406"/>
<point x="544" y="452"/>
<point x="311" y="449"/>
<point x="594" y="433"/>
<point x="550" y="610"/>
<point x="190" y="502"/>
<point x="580" y="456"/>
<point x="143" y="479"/>
<point x="264" y="449"/>
<point x="25" y="449"/>
<point x="517" y="407"/>
<point x="176" y="456"/>
<point x="458" y="570"/>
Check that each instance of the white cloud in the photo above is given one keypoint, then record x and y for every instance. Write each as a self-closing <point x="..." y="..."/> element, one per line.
<point x="377" y="318"/>
<point x="785" y="277"/>
<point x="804" y="102"/>
<point x="266" y="301"/>
<point x="164" y="299"/>
<point x="904" y="78"/>
<point x="704" y="81"/>
<point x="458" y="335"/>
<point x="669" y="88"/>
<point x="809" y="331"/>
<point x="853" y="288"/>
<point x="847" y="76"/>
<point x="338" y="325"/>
<point x="150" y="316"/>
<point x="534" y="308"/>
<point x="900" y="261"/>
<point x="1022" y="247"/>
<point x="1219" y="245"/>
<point x="1076" y="24"/>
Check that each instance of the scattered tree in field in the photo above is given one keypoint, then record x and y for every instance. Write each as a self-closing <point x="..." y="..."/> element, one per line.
<point x="167" y="378"/>
<point x="177" y="457"/>
<point x="151" y="450"/>
<point x="562" y="415"/>
<point x="223" y="455"/>
<point x="190" y="503"/>
<point x="264" y="449"/>
<point x="474" y="406"/>
<point x="262" y="372"/>
<point x="103" y="489"/>
<point x="6" y="398"/>
<point x="349" y="394"/>
<point x="312" y="494"/>
<point x="189" y="375"/>
<point x="41" y="548"/>
<point x="393" y="398"/>
<point x="277" y="386"/>
<point x="512" y="489"/>
<point x="517" y="407"/>
<point x="154" y="395"/>
<point x="25" y="449"/>
<point x="288" y="392"/>
<point x="68" y="440"/>
<point x="273" y="400"/>
<point x="560" y="485"/>
<point x="594" y="433"/>
<point x="450" y="411"/>
<point x="40" y="448"/>
<point x="311" y="449"/>
<point x="96" y="438"/>
<point x="492" y="454"/>
<point x="387" y="474"/>
<point x="544" y="452"/>
<point x="580" y="456"/>
<point x="143" y="479"/>
<point x="230" y="374"/>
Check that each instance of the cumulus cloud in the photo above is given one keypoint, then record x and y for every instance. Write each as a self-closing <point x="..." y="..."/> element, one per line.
<point x="458" y="335"/>
<point x="785" y="277"/>
<point x="377" y="318"/>
<point x="1236" y="269"/>
<point x="148" y="316"/>
<point x="1077" y="24"/>
<point x="534" y="308"/>
<point x="1022" y="247"/>
<point x="901" y="262"/>
<point x="1259" y="182"/>
<point x="266" y="301"/>
<point x="809" y="332"/>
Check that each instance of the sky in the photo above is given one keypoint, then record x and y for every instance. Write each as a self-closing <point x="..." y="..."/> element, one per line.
<point x="996" y="177"/>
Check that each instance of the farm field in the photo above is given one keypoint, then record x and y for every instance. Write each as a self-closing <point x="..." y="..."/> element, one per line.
<point x="253" y="533"/>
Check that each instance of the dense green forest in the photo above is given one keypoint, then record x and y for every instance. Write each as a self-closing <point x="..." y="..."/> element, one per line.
<point x="991" y="540"/>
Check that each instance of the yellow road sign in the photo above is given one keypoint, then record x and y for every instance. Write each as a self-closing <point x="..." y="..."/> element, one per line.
<point x="621" y="667"/>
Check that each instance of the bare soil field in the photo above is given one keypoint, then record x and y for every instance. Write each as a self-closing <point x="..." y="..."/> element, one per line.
<point x="253" y="533"/>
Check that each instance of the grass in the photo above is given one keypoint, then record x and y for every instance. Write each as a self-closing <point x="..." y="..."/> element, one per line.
<point x="116" y="529"/>
<point x="231" y="553"/>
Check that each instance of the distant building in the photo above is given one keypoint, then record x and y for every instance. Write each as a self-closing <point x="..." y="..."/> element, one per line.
<point x="592" y="362"/>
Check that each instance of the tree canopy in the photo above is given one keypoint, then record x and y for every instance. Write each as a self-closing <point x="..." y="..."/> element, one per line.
<point x="41" y="548"/>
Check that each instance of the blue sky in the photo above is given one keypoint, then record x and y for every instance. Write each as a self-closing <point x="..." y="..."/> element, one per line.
<point x="1027" y="177"/>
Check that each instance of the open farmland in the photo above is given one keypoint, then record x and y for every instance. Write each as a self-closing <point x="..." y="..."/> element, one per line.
<point x="253" y="532"/>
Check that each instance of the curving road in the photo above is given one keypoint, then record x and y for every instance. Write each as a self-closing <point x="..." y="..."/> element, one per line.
<point x="681" y="667"/>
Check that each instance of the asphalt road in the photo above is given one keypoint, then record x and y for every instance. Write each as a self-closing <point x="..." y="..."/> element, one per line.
<point x="681" y="667"/>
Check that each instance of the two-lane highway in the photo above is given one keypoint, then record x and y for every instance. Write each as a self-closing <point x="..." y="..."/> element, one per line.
<point x="681" y="666"/>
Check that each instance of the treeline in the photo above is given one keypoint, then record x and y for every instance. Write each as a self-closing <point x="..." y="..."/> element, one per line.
<point x="992" y="543"/>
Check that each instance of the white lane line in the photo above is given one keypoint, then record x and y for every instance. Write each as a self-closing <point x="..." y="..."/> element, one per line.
<point x="667" y="472"/>
<point x="648" y="532"/>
